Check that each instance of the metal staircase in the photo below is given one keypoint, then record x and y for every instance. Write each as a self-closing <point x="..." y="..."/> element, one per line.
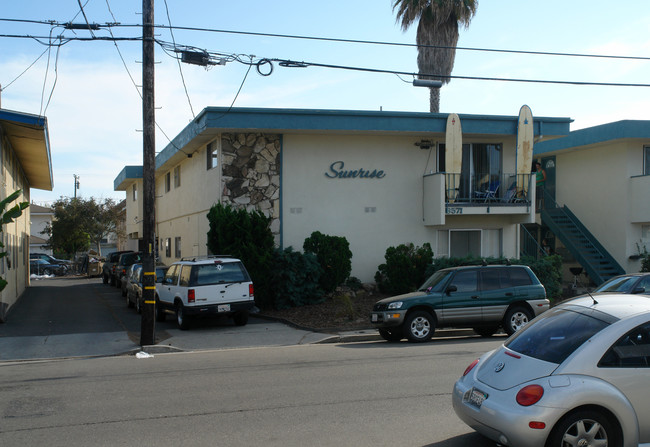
<point x="585" y="248"/>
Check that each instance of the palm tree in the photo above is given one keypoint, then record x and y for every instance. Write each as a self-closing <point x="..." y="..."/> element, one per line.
<point x="437" y="35"/>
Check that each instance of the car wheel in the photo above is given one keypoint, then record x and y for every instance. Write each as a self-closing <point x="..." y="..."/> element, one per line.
<point x="486" y="331"/>
<point x="181" y="318"/>
<point x="419" y="326"/>
<point x="392" y="334"/>
<point x="160" y="312"/>
<point x="583" y="428"/>
<point x="112" y="281"/>
<point x="240" y="318"/>
<point x="47" y="272"/>
<point x="516" y="318"/>
<point x="129" y="304"/>
<point x="123" y="291"/>
<point x="105" y="279"/>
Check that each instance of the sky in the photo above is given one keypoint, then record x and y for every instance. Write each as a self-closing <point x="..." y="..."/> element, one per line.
<point x="87" y="89"/>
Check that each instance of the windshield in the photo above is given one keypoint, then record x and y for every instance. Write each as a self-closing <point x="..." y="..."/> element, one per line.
<point x="556" y="334"/>
<point x="621" y="284"/>
<point x="436" y="282"/>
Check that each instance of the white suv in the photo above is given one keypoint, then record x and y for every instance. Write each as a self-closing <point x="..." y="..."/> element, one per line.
<point x="205" y="285"/>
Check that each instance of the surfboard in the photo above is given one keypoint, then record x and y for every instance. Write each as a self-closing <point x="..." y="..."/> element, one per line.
<point x="453" y="155"/>
<point x="525" y="136"/>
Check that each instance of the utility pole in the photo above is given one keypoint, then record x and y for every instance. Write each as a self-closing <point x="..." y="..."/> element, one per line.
<point x="147" y="325"/>
<point x="76" y="184"/>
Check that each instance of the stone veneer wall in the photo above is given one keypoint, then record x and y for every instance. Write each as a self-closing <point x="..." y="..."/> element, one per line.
<point x="251" y="173"/>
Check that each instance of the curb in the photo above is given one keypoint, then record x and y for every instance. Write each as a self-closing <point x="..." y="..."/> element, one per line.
<point x="373" y="335"/>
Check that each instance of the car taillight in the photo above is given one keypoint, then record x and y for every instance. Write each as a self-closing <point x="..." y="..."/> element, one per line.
<point x="250" y="291"/>
<point x="530" y="395"/>
<point x="190" y="296"/>
<point x="470" y="367"/>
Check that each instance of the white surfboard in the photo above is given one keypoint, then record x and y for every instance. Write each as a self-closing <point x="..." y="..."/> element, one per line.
<point x="525" y="137"/>
<point x="453" y="155"/>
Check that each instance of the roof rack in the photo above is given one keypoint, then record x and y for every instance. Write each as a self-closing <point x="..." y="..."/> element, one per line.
<point x="204" y="257"/>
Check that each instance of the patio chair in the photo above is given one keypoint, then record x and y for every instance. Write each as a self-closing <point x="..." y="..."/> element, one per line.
<point x="490" y="192"/>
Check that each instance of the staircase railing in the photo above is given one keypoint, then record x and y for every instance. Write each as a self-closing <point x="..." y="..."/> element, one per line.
<point x="550" y="205"/>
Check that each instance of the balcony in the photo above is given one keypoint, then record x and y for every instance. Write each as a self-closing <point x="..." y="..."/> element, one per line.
<point x="454" y="195"/>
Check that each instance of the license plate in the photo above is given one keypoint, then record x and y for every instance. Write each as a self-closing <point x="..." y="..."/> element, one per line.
<point x="223" y="308"/>
<point x="373" y="318"/>
<point x="475" y="397"/>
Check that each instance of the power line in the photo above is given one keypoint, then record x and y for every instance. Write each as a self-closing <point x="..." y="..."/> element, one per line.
<point x="355" y="41"/>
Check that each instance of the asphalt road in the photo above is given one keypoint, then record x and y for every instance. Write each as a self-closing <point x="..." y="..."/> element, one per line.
<point x="349" y="394"/>
<point x="78" y="317"/>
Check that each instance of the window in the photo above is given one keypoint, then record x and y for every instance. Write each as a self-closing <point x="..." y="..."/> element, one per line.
<point x="177" y="247"/>
<point x="646" y="160"/>
<point x="630" y="351"/>
<point x="465" y="281"/>
<point x="135" y="192"/>
<point x="177" y="176"/>
<point x="465" y="243"/>
<point x="171" y="277"/>
<point x="557" y="334"/>
<point x="168" y="247"/>
<point x="168" y="182"/>
<point x="212" y="156"/>
<point x="185" y="275"/>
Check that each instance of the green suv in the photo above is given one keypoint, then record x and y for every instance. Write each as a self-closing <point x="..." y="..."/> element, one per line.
<point x="480" y="297"/>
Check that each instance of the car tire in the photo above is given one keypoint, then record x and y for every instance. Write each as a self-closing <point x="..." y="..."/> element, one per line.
<point x="516" y="318"/>
<point x="240" y="318"/>
<point x="160" y="312"/>
<point x="585" y="425"/>
<point x="105" y="279"/>
<point x="129" y="304"/>
<point x="123" y="291"/>
<point x="112" y="281"/>
<point x="47" y="272"/>
<point x="392" y="335"/>
<point x="486" y="331"/>
<point x="419" y="326"/>
<point x="182" y="320"/>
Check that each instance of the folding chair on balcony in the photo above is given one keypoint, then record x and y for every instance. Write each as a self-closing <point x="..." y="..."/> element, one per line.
<point x="490" y="192"/>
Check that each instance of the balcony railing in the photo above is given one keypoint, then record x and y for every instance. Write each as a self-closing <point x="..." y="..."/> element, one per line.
<point x="481" y="189"/>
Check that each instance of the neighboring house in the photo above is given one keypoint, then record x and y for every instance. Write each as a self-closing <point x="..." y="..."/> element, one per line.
<point x="596" y="209"/>
<point x="377" y="178"/>
<point x="26" y="164"/>
<point x="41" y="217"/>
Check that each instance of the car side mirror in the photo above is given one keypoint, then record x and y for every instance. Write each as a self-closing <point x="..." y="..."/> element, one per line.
<point x="639" y="290"/>
<point x="451" y="288"/>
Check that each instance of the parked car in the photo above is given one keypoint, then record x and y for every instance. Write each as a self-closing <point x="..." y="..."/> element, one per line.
<point x="135" y="291"/>
<point x="205" y="286"/>
<point x="128" y="278"/>
<point x="110" y="265"/>
<point x="481" y="297"/>
<point x="67" y="265"/>
<point x="576" y="376"/>
<point x="42" y="267"/>
<point x="126" y="260"/>
<point x="631" y="283"/>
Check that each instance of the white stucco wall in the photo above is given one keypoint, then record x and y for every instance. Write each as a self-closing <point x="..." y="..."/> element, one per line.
<point x="372" y="213"/>
<point x="595" y="183"/>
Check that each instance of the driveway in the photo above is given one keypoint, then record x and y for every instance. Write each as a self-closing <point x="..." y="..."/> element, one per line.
<point x="79" y="316"/>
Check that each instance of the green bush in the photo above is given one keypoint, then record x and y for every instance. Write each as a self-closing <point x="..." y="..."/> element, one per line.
<point x="294" y="279"/>
<point x="645" y="263"/>
<point x="405" y="269"/>
<point x="547" y="269"/>
<point x="248" y="237"/>
<point x="334" y="256"/>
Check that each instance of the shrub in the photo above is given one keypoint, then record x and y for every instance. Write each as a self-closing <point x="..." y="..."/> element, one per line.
<point x="294" y="279"/>
<point x="405" y="268"/>
<point x="248" y="237"/>
<point x="334" y="256"/>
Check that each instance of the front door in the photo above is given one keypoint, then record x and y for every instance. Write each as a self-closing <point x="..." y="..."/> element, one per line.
<point x="548" y="164"/>
<point x="462" y="305"/>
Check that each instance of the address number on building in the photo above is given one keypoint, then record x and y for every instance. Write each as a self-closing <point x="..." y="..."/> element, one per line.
<point x="453" y="210"/>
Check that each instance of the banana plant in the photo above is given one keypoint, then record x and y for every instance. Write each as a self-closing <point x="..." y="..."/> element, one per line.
<point x="6" y="217"/>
